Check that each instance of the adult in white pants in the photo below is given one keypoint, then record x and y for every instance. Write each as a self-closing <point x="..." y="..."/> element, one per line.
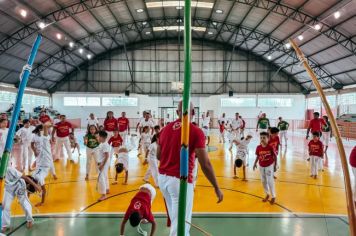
<point x="60" y="142"/>
<point x="151" y="160"/>
<point x="62" y="131"/>
<point x="168" y="153"/>
<point x="124" y="127"/>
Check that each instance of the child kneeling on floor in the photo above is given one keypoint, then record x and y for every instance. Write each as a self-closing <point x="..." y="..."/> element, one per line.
<point x="139" y="210"/>
<point x="16" y="186"/>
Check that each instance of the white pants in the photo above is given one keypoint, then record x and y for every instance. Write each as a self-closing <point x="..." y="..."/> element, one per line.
<point x="169" y="187"/>
<point x="124" y="136"/>
<point x="18" y="190"/>
<point x="222" y="136"/>
<point x="151" y="189"/>
<point x="206" y="132"/>
<point x="268" y="180"/>
<point x="110" y="134"/>
<point x="152" y="170"/>
<point x="354" y="171"/>
<point x="113" y="150"/>
<point x="283" y="135"/>
<point x="25" y="156"/>
<point x="326" y="138"/>
<point x="195" y="173"/>
<point x="40" y="174"/>
<point x="320" y="163"/>
<point x="314" y="163"/>
<point x="59" y="145"/>
<point x="235" y="135"/>
<point x="103" y="179"/>
<point x="2" y="148"/>
<point x="92" y="154"/>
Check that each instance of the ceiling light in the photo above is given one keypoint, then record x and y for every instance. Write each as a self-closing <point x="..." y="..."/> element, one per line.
<point x="140" y="10"/>
<point x="81" y="50"/>
<point x="287" y="45"/>
<point x="148" y="32"/>
<point x="215" y="23"/>
<point x="317" y="27"/>
<point x="144" y="23"/>
<point x="179" y="20"/>
<point x="219" y="11"/>
<point x="59" y="36"/>
<point x="23" y="13"/>
<point x="89" y="56"/>
<point x="41" y="25"/>
<point x="177" y="28"/>
<point x="210" y="33"/>
<point x="269" y="57"/>
<point x="300" y="37"/>
<point x="71" y="44"/>
<point x="337" y="15"/>
<point x="179" y="4"/>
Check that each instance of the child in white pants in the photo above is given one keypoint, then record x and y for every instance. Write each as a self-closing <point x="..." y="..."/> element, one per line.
<point x="15" y="186"/>
<point x="25" y="136"/>
<point x="316" y="152"/>
<point x="145" y="139"/>
<point x="151" y="160"/>
<point x="122" y="164"/>
<point x="103" y="165"/>
<point x="92" y="143"/>
<point x="3" y="134"/>
<point x="266" y="158"/>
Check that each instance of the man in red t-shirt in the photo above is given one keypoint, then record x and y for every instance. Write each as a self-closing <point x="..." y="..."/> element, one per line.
<point x="266" y="158"/>
<point x="140" y="209"/>
<point x="316" y="151"/>
<point x="115" y="142"/>
<point x="316" y="125"/>
<point x="353" y="167"/>
<point x="44" y="118"/>
<point x="168" y="152"/>
<point x="110" y="123"/>
<point x="62" y="130"/>
<point x="124" y="126"/>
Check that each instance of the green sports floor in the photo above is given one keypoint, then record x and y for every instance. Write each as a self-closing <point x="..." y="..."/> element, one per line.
<point x="217" y="225"/>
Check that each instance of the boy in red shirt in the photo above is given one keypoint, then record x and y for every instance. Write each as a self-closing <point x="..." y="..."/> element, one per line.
<point x="353" y="167"/>
<point x="139" y="210"/>
<point x="115" y="142"/>
<point x="222" y="131"/>
<point x="266" y="158"/>
<point x="316" y="152"/>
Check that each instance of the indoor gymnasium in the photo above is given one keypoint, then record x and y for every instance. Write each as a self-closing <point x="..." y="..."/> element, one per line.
<point x="178" y="118"/>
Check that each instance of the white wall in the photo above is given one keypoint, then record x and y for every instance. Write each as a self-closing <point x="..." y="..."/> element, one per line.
<point x="297" y="111"/>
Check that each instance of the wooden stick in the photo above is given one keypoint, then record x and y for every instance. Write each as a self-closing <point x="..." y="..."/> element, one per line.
<point x="336" y="132"/>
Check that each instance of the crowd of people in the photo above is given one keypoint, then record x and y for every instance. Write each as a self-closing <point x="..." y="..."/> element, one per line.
<point x="159" y="144"/>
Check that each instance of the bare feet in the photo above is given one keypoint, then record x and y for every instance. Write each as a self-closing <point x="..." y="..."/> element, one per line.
<point x="274" y="177"/>
<point x="39" y="204"/>
<point x="273" y="200"/>
<point x="315" y="177"/>
<point x="102" y="198"/>
<point x="124" y="183"/>
<point x="266" y="198"/>
<point x="235" y="177"/>
<point x="55" y="177"/>
<point x="245" y="180"/>
<point x="29" y="224"/>
<point x="86" y="177"/>
<point x="114" y="183"/>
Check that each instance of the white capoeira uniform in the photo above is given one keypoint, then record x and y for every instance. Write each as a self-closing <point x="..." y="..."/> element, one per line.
<point x="15" y="186"/>
<point x="151" y="189"/>
<point x="25" y="135"/>
<point x="145" y="141"/>
<point x="235" y="126"/>
<point x="44" y="161"/>
<point x="103" y="179"/>
<point x="152" y="164"/>
<point x="242" y="151"/>
<point x="267" y="180"/>
<point x="144" y="123"/>
<point x="205" y="126"/>
<point x="93" y="122"/>
<point x="123" y="158"/>
<point x="3" y="137"/>
<point x="195" y="172"/>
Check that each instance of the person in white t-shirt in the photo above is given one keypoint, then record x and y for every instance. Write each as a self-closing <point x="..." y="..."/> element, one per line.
<point x="206" y="126"/>
<point x="103" y="165"/>
<point x="151" y="160"/>
<point x="147" y="122"/>
<point x="44" y="162"/>
<point x="92" y="120"/>
<point x="3" y="134"/>
<point x="16" y="186"/>
<point x="235" y="129"/>
<point x="25" y="135"/>
<point x="138" y="128"/>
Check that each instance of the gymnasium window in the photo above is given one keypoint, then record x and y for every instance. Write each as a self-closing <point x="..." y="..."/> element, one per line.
<point x="81" y="101"/>
<point x="331" y="100"/>
<point x="275" y="102"/>
<point x="238" y="102"/>
<point x="119" y="101"/>
<point x="314" y="103"/>
<point x="347" y="99"/>
<point x="35" y="100"/>
<point x="7" y="97"/>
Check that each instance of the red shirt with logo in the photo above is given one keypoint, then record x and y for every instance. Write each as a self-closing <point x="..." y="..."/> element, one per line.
<point x="123" y="123"/>
<point x="170" y="144"/>
<point x="115" y="141"/>
<point x="222" y="128"/>
<point x="110" y="124"/>
<point x="140" y="203"/>
<point x="44" y="119"/>
<point x="274" y="143"/>
<point x="315" y="125"/>
<point x="353" y="157"/>
<point x="316" y="148"/>
<point x="63" y="129"/>
<point x="266" y="155"/>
